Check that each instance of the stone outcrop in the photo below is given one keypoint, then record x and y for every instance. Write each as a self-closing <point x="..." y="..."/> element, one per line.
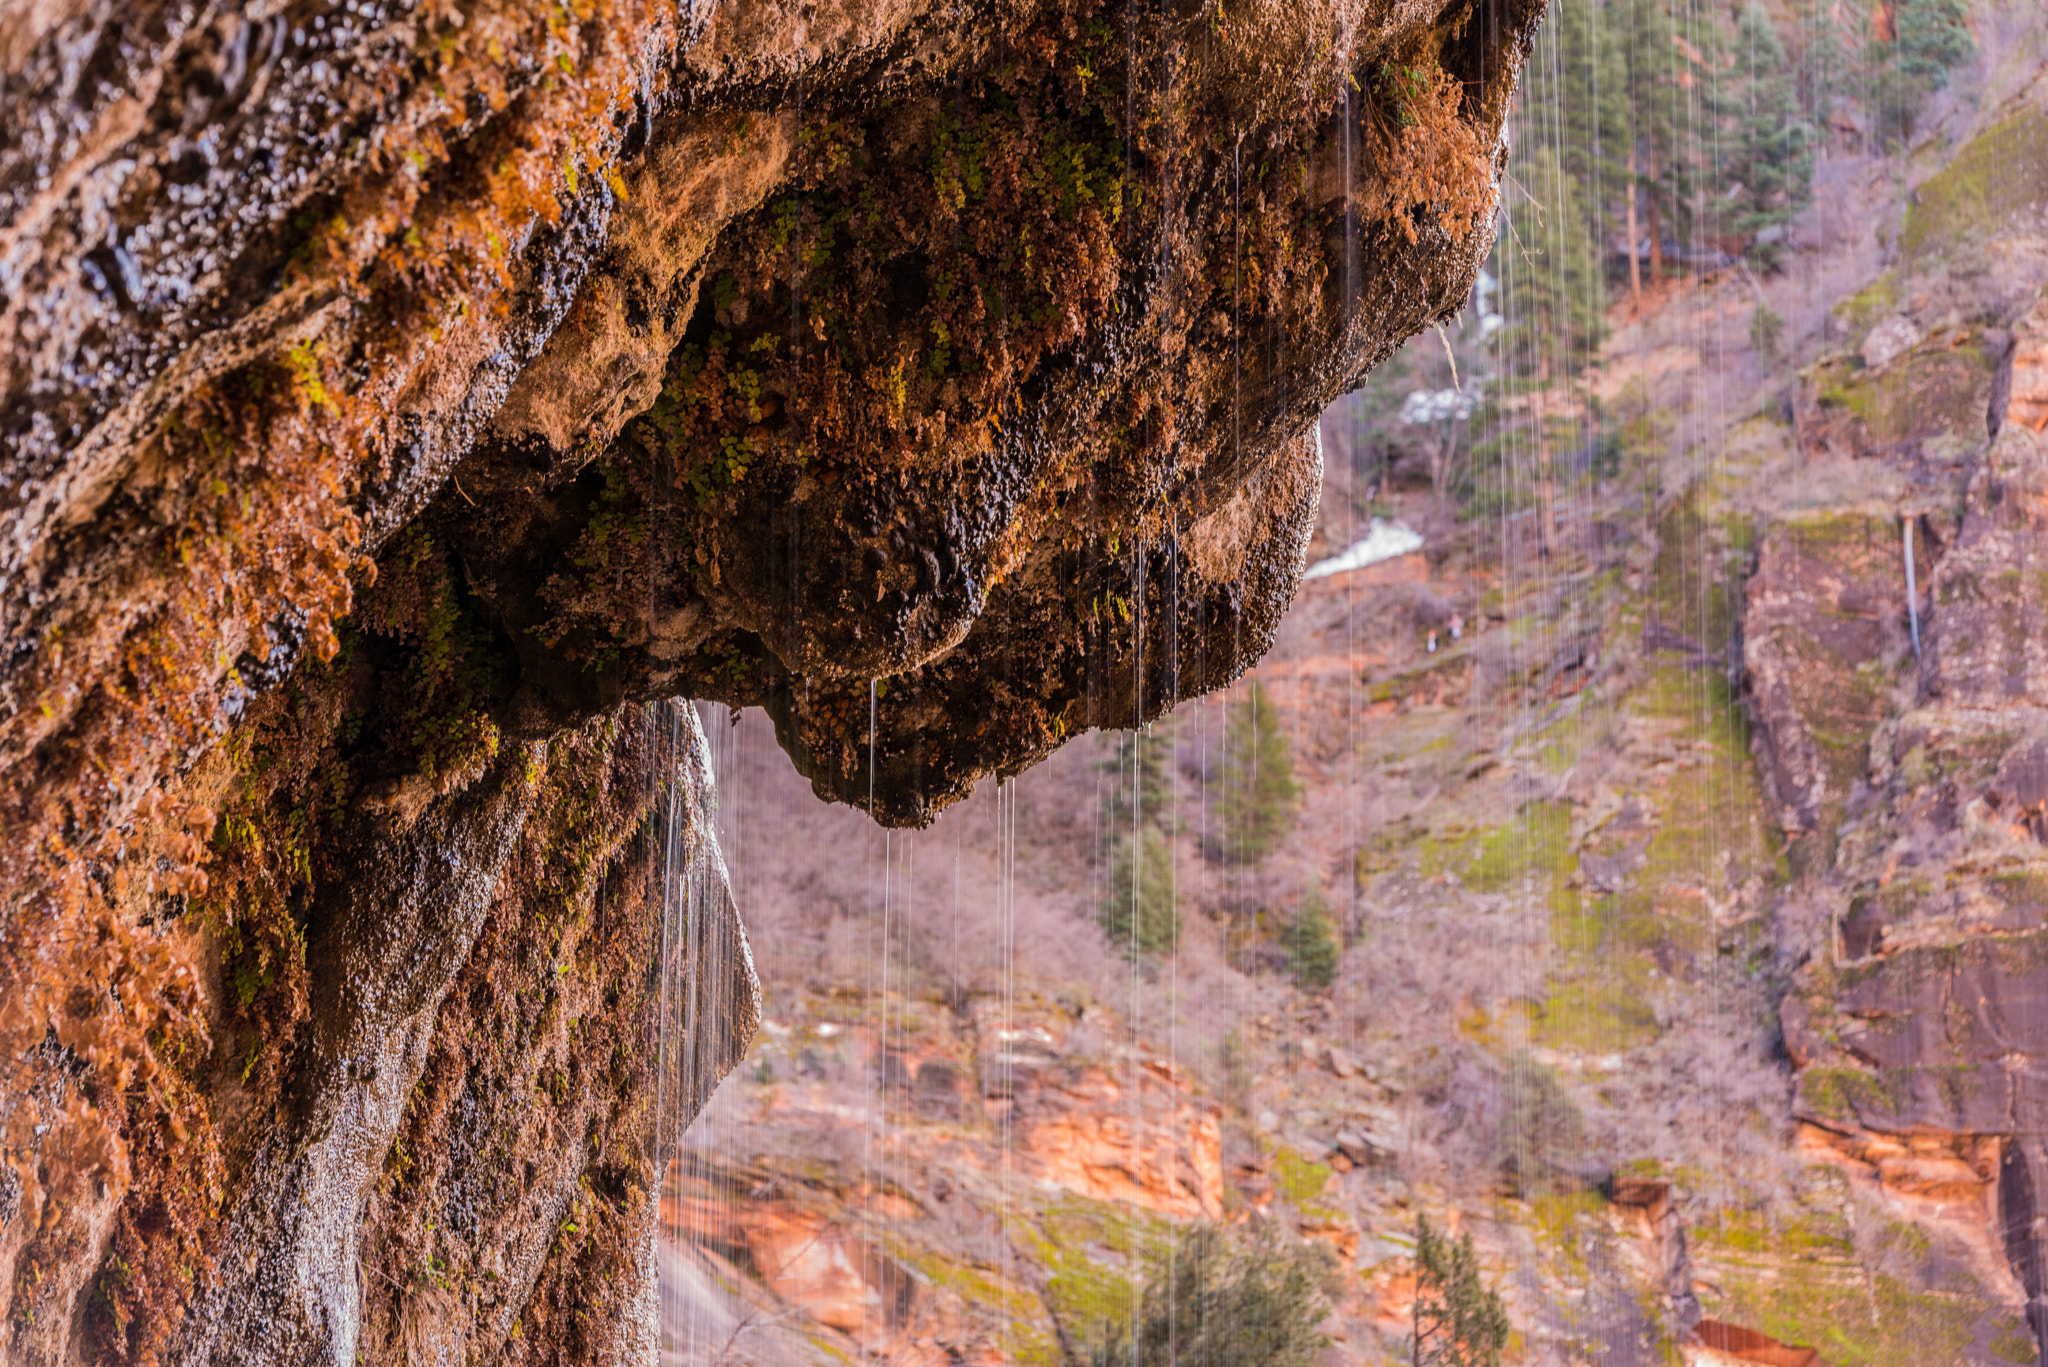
<point x="398" y="400"/>
<point x="1914" y="785"/>
<point x="990" y="289"/>
<point x="1134" y="1135"/>
<point x="476" y="996"/>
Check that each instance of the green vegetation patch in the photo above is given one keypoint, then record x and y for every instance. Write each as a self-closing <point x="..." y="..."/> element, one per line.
<point x="1842" y="1093"/>
<point x="2001" y="172"/>
<point x="1854" y="1318"/>
<point x="1598" y="1014"/>
<point x="2014" y="1344"/>
<point x="1563" y="1219"/>
<point x="1428" y="844"/>
<point x="1696" y="578"/>
<point x="1537" y="844"/>
<point x="1302" y="1181"/>
<point x="1027" y="1336"/>
<point x="1814" y="1234"/>
<point x="1877" y="299"/>
<point x="1707" y="841"/>
<point x="1930" y="392"/>
<point x="1710" y="829"/>
<point x="1093" y="1254"/>
<point x="1864" y="1292"/>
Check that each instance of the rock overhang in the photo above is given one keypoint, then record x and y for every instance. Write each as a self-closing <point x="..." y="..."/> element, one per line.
<point x="1060" y="273"/>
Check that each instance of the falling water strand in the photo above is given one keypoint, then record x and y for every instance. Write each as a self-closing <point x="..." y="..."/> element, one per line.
<point x="873" y="1008"/>
<point x="1912" y="589"/>
<point x="705" y="1005"/>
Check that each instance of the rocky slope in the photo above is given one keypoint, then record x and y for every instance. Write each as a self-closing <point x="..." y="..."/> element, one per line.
<point x="396" y="398"/>
<point x="1691" y="905"/>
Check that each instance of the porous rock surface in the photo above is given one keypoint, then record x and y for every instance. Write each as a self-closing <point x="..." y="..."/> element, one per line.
<point x="398" y="400"/>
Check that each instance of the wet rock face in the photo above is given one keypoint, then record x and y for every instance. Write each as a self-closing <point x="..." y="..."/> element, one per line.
<point x="1914" y="790"/>
<point x="423" y="1111"/>
<point x="395" y="401"/>
<point x="983" y="387"/>
<point x="864" y="318"/>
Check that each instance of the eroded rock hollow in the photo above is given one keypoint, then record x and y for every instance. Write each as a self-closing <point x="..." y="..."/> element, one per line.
<point x="401" y="402"/>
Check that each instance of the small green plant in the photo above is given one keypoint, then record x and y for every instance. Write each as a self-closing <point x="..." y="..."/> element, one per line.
<point x="1459" y="1320"/>
<point x="1260" y="793"/>
<point x="1542" y="1131"/>
<point x="1210" y="1301"/>
<point x="1400" y="88"/>
<point x="1766" y="331"/>
<point x="1311" y="943"/>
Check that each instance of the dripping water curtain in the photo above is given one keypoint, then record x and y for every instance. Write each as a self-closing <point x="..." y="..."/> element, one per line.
<point x="707" y="996"/>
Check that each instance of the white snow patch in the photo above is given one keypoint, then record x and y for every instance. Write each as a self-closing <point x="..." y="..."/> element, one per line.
<point x="1383" y="541"/>
<point x="1426" y="406"/>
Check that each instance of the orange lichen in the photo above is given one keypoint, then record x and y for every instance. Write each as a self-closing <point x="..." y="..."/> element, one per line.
<point x="1431" y="159"/>
<point x="241" y="531"/>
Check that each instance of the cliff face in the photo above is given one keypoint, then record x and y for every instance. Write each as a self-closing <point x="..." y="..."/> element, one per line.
<point x="397" y="398"/>
<point x="1916" y="1023"/>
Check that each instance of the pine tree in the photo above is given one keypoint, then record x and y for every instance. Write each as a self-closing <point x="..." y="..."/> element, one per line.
<point x="1551" y="273"/>
<point x="1767" y="162"/>
<point x="1828" y="76"/>
<point x="1459" y="1320"/>
<point x="1141" y="908"/>
<point x="1210" y="1303"/>
<point x="1582" y="107"/>
<point x="1143" y="770"/>
<point x="1142" y="911"/>
<point x="1259" y="795"/>
<point x="1312" y="949"/>
<point x="1934" y="39"/>
<point x="1574" y="107"/>
<point x="1664" y="64"/>
<point x="1926" y="40"/>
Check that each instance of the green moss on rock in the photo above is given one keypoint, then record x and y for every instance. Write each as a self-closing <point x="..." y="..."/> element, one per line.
<point x="2001" y="172"/>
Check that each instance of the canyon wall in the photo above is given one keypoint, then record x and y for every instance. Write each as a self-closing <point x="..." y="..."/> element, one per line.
<point x="399" y="400"/>
<point x="1904" y="749"/>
